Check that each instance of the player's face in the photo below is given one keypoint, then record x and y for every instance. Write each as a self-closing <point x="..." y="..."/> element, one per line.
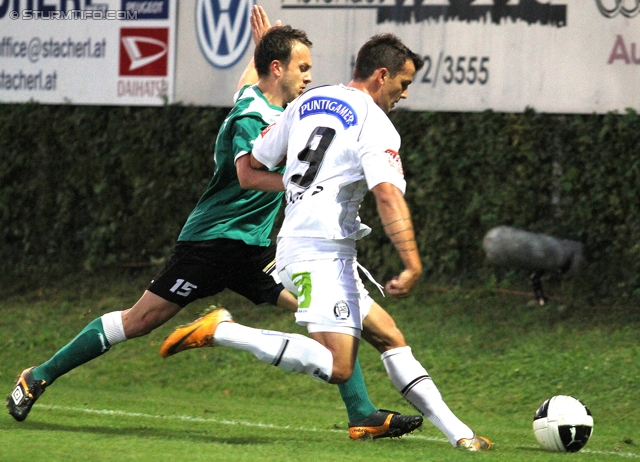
<point x="396" y="88"/>
<point x="297" y="75"/>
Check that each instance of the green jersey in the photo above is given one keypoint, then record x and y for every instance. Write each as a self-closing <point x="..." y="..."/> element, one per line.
<point x="225" y="210"/>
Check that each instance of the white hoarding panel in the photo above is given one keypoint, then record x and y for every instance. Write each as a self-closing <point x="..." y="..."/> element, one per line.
<point x="83" y="52"/>
<point x="560" y="56"/>
<point x="213" y="48"/>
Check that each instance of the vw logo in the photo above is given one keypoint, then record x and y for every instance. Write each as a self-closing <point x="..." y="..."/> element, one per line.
<point x="223" y="30"/>
<point x="611" y="8"/>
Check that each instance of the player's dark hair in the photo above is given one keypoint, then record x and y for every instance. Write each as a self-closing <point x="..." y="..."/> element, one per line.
<point x="384" y="50"/>
<point x="277" y="44"/>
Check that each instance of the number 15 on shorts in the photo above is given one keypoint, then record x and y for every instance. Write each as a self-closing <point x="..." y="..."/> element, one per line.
<point x="182" y="287"/>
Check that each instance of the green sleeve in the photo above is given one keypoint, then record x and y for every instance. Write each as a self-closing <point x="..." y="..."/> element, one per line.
<point x="245" y="131"/>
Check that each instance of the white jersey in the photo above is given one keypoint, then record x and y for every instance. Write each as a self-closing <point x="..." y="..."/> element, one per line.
<point x="338" y="144"/>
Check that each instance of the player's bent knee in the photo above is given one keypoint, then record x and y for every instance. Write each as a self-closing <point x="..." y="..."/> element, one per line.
<point x="340" y="376"/>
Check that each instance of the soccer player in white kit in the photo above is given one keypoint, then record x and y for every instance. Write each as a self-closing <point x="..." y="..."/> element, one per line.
<point x="338" y="144"/>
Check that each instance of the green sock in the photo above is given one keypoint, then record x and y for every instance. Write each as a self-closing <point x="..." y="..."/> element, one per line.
<point x="355" y="396"/>
<point x="88" y="344"/>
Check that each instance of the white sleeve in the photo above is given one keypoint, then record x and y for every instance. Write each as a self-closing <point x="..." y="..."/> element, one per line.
<point x="380" y="158"/>
<point x="270" y="148"/>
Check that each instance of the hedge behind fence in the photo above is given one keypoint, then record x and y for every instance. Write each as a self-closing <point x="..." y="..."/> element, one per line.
<point x="113" y="185"/>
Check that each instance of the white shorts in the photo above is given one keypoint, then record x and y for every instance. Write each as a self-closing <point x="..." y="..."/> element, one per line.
<point x="331" y="296"/>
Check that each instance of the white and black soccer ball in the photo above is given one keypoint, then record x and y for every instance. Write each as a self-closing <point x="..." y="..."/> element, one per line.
<point x="563" y="424"/>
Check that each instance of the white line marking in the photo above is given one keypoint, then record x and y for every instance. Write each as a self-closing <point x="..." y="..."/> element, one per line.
<point x="244" y="423"/>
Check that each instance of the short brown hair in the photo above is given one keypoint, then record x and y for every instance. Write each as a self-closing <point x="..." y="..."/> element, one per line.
<point x="384" y="50"/>
<point x="277" y="44"/>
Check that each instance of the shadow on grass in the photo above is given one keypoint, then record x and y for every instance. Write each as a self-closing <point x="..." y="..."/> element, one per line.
<point x="151" y="433"/>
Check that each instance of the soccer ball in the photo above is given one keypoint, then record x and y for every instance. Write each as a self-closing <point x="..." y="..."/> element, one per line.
<point x="563" y="424"/>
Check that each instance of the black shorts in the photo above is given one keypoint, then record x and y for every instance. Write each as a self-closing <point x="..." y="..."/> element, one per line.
<point x="201" y="269"/>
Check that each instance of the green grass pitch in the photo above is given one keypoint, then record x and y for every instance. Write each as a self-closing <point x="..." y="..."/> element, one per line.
<point x="494" y="357"/>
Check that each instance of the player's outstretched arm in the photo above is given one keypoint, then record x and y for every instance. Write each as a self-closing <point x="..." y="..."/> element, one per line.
<point x="256" y="176"/>
<point x="396" y="220"/>
<point x="259" y="26"/>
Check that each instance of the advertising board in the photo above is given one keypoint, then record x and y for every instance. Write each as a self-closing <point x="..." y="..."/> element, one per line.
<point x="118" y="52"/>
<point x="555" y="56"/>
<point x="558" y="56"/>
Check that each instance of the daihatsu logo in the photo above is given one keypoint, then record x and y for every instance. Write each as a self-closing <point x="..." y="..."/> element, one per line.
<point x="132" y="45"/>
<point x="223" y="30"/>
<point x="144" y="51"/>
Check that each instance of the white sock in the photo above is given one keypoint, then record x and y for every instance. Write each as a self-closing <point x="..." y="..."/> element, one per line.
<point x="113" y="328"/>
<point x="291" y="352"/>
<point x="415" y="385"/>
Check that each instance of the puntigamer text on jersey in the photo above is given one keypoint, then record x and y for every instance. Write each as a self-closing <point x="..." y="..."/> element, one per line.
<point x="331" y="106"/>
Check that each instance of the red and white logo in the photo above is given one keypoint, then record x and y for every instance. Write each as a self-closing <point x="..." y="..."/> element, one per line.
<point x="144" y="51"/>
<point x="266" y="130"/>
<point x="394" y="160"/>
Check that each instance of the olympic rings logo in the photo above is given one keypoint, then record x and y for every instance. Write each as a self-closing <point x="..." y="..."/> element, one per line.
<point x="620" y="7"/>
